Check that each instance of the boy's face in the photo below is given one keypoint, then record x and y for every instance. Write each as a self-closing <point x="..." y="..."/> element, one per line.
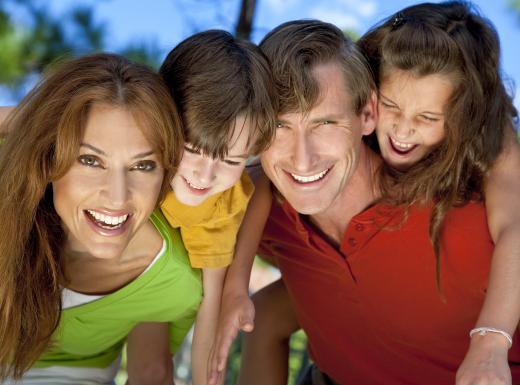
<point x="199" y="176"/>
<point x="411" y="116"/>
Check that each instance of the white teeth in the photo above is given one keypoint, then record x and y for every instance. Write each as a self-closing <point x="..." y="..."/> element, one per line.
<point x="401" y="145"/>
<point x="310" y="178"/>
<point x="108" y="219"/>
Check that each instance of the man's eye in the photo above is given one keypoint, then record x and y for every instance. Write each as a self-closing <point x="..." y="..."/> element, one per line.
<point x="89" y="160"/>
<point x="145" y="165"/>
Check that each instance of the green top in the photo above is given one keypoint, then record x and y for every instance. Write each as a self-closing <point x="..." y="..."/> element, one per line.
<point x="93" y="334"/>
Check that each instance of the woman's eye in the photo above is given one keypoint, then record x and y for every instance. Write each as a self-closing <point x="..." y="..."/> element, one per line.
<point x="146" y="165"/>
<point x="279" y="125"/>
<point x="89" y="160"/>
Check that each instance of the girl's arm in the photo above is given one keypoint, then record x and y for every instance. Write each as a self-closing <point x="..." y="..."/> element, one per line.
<point x="487" y="356"/>
<point x="237" y="312"/>
<point x="206" y="322"/>
<point x="149" y="360"/>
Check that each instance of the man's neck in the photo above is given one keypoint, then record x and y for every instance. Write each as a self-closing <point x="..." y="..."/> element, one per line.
<point x="360" y="192"/>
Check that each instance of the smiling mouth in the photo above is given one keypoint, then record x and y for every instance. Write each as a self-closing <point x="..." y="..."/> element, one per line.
<point x="108" y="222"/>
<point x="309" y="178"/>
<point x="400" y="147"/>
<point x="195" y="187"/>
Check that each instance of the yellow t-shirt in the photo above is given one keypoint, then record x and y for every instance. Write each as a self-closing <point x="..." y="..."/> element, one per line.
<point x="209" y="230"/>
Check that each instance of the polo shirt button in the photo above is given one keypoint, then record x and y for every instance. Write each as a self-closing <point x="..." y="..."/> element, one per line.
<point x="352" y="241"/>
<point x="360" y="227"/>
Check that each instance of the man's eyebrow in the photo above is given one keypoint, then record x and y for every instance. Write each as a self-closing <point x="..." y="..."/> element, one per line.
<point x="327" y="117"/>
<point x="101" y="152"/>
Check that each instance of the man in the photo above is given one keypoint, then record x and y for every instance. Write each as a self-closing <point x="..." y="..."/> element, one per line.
<point x="360" y="275"/>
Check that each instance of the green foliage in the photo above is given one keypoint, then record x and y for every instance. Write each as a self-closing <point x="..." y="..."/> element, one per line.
<point x="27" y="47"/>
<point x="515" y="5"/>
<point x="11" y="42"/>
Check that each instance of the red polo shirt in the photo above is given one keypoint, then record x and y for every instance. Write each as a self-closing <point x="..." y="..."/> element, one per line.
<point x="371" y="309"/>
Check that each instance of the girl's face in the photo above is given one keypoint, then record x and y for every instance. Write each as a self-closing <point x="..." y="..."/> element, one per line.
<point x="112" y="187"/>
<point x="199" y="176"/>
<point x="411" y="116"/>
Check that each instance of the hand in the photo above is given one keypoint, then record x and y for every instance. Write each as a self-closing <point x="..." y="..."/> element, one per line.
<point x="237" y="313"/>
<point x="486" y="362"/>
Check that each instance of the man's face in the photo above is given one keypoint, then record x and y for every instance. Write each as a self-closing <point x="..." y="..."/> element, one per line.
<point x="314" y="154"/>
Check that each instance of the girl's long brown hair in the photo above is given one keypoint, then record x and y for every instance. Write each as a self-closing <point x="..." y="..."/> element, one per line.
<point x="44" y="135"/>
<point x="451" y="39"/>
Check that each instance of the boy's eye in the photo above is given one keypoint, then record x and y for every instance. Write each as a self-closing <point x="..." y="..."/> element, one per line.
<point x="232" y="162"/>
<point x="191" y="150"/>
<point x="145" y="165"/>
<point x="89" y="160"/>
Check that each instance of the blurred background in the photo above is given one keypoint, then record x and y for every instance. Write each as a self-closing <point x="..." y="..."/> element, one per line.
<point x="34" y="33"/>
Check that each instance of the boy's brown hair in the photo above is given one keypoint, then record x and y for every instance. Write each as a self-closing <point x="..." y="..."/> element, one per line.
<point x="214" y="78"/>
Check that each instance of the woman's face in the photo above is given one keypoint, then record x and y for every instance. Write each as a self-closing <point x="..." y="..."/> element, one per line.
<point x="411" y="116"/>
<point x="112" y="187"/>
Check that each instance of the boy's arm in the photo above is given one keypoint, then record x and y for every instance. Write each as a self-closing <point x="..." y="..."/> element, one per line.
<point x="487" y="356"/>
<point x="237" y="311"/>
<point x="206" y="322"/>
<point x="149" y="360"/>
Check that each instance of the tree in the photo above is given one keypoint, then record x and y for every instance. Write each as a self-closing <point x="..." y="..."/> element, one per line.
<point x="245" y="19"/>
<point x="27" y="48"/>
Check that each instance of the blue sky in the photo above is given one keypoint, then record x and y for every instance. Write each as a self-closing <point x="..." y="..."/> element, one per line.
<point x="167" y="22"/>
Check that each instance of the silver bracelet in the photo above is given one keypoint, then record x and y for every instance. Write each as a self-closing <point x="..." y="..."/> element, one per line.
<point x="484" y="330"/>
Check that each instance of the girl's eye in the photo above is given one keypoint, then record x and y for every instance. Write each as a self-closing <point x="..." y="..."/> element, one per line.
<point x="89" y="160"/>
<point x="145" y="165"/>
<point x="429" y="118"/>
<point x="386" y="105"/>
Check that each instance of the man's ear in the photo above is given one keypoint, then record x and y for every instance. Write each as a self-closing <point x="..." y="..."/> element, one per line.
<point x="369" y="115"/>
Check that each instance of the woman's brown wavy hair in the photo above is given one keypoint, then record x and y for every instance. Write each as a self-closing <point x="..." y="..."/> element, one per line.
<point x="451" y="39"/>
<point x="44" y="135"/>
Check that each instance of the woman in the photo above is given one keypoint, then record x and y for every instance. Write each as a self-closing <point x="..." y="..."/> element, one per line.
<point x="84" y="256"/>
